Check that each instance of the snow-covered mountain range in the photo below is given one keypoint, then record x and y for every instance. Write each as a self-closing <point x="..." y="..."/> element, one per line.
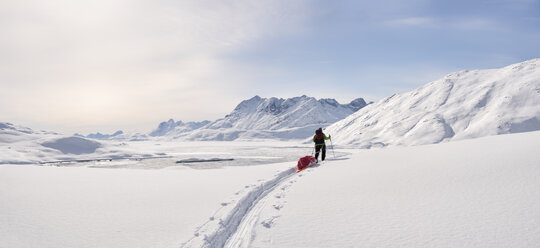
<point x="177" y="127"/>
<point x="99" y="135"/>
<point x="278" y="113"/>
<point x="265" y="118"/>
<point x="462" y="105"/>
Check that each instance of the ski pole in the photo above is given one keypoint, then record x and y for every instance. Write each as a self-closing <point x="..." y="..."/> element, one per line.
<point x="332" y="148"/>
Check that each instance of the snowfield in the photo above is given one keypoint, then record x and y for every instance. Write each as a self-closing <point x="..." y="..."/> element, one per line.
<point x="471" y="193"/>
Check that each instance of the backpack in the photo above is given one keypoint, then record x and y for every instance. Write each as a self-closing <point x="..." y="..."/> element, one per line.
<point x="319" y="138"/>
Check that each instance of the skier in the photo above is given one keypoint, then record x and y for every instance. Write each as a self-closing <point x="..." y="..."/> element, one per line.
<point x="319" y="139"/>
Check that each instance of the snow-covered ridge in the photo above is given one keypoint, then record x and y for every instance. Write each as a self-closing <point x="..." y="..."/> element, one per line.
<point x="274" y="118"/>
<point x="462" y="105"/>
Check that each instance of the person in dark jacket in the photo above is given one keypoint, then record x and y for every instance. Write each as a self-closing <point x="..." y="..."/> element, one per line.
<point x="319" y="139"/>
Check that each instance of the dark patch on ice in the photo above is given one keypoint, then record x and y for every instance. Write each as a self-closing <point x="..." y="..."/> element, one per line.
<point x="202" y="160"/>
<point x="15" y="162"/>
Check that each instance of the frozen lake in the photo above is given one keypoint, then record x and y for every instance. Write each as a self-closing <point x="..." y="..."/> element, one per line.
<point x="166" y="155"/>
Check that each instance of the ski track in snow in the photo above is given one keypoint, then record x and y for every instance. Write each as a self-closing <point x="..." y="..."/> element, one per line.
<point x="234" y="228"/>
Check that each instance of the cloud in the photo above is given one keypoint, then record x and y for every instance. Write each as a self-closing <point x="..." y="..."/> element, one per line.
<point x="457" y="23"/>
<point x="411" y="21"/>
<point x="484" y="24"/>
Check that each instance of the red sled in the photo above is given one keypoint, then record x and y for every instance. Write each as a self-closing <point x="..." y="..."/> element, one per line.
<point x="305" y="162"/>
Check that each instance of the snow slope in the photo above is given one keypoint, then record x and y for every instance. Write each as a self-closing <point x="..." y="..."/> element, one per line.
<point x="471" y="193"/>
<point x="462" y="105"/>
<point x="274" y="118"/>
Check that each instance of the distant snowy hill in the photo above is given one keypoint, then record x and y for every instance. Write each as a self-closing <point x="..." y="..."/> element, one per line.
<point x="10" y="133"/>
<point x="274" y="118"/>
<point x="72" y="145"/>
<point x="465" y="104"/>
<point x="20" y="145"/>
<point x="178" y="127"/>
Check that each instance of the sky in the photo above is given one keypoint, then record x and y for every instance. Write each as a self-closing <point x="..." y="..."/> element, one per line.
<point x="100" y="66"/>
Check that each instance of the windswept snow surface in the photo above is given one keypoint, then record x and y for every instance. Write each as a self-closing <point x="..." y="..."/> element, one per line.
<point x="462" y="105"/>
